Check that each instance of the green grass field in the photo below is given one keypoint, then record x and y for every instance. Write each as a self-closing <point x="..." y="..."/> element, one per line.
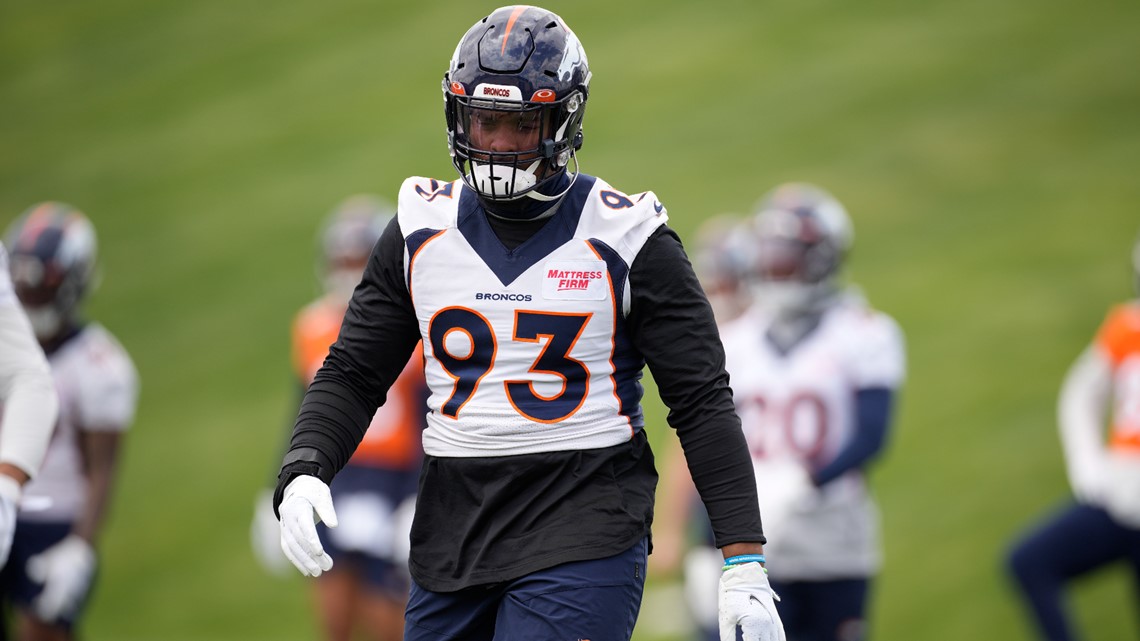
<point x="988" y="151"/>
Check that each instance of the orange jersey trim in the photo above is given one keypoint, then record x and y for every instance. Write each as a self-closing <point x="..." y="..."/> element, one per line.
<point x="1119" y="339"/>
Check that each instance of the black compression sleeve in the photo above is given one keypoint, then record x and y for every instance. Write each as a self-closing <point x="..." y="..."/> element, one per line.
<point x="673" y="327"/>
<point x="377" y="337"/>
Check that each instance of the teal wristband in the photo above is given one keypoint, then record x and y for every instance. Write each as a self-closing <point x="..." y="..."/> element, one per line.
<point x="744" y="558"/>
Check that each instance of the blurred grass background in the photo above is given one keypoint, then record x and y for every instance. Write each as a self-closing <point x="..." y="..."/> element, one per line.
<point x="988" y="151"/>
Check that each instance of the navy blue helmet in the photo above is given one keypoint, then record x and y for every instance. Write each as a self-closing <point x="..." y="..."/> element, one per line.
<point x="514" y="95"/>
<point x="52" y="247"/>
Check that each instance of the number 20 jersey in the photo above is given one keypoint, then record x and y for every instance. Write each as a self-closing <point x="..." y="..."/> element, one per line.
<point x="525" y="349"/>
<point x="798" y="408"/>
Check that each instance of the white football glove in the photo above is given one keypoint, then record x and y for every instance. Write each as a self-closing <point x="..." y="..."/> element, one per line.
<point x="66" y="570"/>
<point x="1122" y="490"/>
<point x="306" y="500"/>
<point x="265" y="536"/>
<point x="747" y="600"/>
<point x="9" y="500"/>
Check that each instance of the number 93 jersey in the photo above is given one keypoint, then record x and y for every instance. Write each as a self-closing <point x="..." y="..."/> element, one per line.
<point x="525" y="349"/>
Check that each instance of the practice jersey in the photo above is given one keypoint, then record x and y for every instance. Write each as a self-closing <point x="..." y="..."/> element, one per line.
<point x="7" y="293"/>
<point x="798" y="409"/>
<point x="1119" y="339"/>
<point x="393" y="437"/>
<point x="98" y="392"/>
<point x="526" y="350"/>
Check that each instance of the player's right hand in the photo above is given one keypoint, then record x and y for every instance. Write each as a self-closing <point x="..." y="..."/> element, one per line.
<point x="66" y="571"/>
<point x="305" y="501"/>
<point x="9" y="499"/>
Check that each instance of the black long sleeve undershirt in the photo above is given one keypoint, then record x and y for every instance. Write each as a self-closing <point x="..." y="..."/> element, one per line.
<point x="670" y="322"/>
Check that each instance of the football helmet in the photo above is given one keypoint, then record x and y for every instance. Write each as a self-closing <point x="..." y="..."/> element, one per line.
<point x="347" y="238"/>
<point x="802" y="235"/>
<point x="514" y="97"/>
<point x="52" y="249"/>
<point x="720" y="259"/>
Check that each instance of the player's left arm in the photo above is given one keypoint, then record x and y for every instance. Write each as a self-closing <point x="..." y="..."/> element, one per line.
<point x="877" y="369"/>
<point x="101" y="461"/>
<point x="873" y="411"/>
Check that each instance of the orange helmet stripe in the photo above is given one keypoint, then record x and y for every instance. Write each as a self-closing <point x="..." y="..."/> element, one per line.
<point x="511" y="24"/>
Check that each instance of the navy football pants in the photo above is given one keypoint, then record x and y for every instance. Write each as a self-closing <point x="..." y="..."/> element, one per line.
<point x="587" y="600"/>
<point x="1075" y="541"/>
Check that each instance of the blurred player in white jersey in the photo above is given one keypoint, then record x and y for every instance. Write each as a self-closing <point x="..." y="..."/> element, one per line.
<point x="1102" y="525"/>
<point x="815" y="371"/>
<point x="53" y="560"/>
<point x="28" y="405"/>
<point x="367" y="589"/>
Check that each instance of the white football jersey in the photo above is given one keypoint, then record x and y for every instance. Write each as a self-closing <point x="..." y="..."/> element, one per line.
<point x="98" y="391"/>
<point x="525" y="350"/>
<point x="797" y="411"/>
<point x="7" y="293"/>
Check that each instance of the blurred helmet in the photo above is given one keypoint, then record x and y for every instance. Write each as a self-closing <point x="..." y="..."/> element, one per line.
<point x="347" y="238"/>
<point x="802" y="235"/>
<point x="514" y="97"/>
<point x="52" y="248"/>
<point x="720" y="259"/>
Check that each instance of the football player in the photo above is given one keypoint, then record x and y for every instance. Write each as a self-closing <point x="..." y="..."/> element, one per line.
<point x="540" y="293"/>
<point x="815" y="372"/>
<point x="367" y="589"/>
<point x="1104" y="473"/>
<point x="53" y="561"/>
<point x="29" y="405"/>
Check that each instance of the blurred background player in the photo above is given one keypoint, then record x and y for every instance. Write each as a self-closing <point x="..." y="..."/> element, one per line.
<point x="53" y="560"/>
<point x="28" y="405"/>
<point x="1102" y="525"/>
<point x="367" y="588"/>
<point x="815" y="371"/>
